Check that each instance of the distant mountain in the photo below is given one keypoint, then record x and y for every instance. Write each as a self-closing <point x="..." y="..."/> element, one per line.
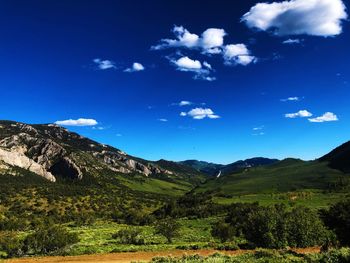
<point x="207" y="168"/>
<point x="284" y="176"/>
<point x="339" y="158"/>
<point x="213" y="169"/>
<point x="52" y="152"/>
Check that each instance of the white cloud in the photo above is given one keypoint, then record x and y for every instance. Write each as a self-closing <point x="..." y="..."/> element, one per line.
<point x="135" y="67"/>
<point x="163" y="120"/>
<point x="291" y="99"/>
<point x="207" y="43"/>
<point x="119" y="135"/>
<point x="296" y="17"/>
<point x="301" y="114"/>
<point x="182" y="103"/>
<point x="187" y="64"/>
<point x="211" y="42"/>
<point x="237" y="54"/>
<point x="104" y="64"/>
<point x="100" y="128"/>
<point x="292" y="41"/>
<point x="200" y="113"/>
<point x="78" y="122"/>
<point x="328" y="116"/>
<point x="258" y="128"/>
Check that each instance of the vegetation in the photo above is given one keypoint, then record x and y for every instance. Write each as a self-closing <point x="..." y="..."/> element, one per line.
<point x="169" y="228"/>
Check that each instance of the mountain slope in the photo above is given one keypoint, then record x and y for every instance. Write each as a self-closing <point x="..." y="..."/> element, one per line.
<point x="213" y="169"/>
<point x="286" y="175"/>
<point x="339" y="158"/>
<point x="54" y="153"/>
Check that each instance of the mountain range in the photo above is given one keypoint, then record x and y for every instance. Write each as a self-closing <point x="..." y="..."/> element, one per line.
<point x="56" y="154"/>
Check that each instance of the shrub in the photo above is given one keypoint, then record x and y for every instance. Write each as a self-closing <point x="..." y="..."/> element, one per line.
<point x="223" y="231"/>
<point x="129" y="236"/>
<point x="10" y="245"/>
<point x="168" y="228"/>
<point x="337" y="218"/>
<point x="49" y="239"/>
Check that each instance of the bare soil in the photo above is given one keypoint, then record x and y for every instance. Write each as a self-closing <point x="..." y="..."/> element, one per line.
<point x="135" y="256"/>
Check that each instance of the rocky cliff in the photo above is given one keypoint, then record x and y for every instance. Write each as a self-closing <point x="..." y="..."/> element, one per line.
<point x="52" y="151"/>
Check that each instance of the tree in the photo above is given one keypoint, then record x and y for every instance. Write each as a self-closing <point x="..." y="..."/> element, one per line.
<point x="223" y="231"/>
<point x="168" y="228"/>
<point x="129" y="236"/>
<point x="337" y="218"/>
<point x="47" y="239"/>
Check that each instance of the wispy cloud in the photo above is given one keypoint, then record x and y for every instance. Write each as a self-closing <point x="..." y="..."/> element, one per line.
<point x="200" y="113"/>
<point x="135" y="67"/>
<point x="299" y="114"/>
<point x="104" y="64"/>
<point x="326" y="117"/>
<point x="163" y="120"/>
<point x="292" y="41"/>
<point x="258" y="128"/>
<point x="182" y="103"/>
<point x="316" y="18"/>
<point x="77" y="122"/>
<point x="291" y="99"/>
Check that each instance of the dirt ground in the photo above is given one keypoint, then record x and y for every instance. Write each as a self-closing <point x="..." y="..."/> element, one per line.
<point x="134" y="256"/>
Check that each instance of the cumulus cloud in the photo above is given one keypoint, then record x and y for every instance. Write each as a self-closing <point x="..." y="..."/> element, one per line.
<point x="292" y="41"/>
<point x="200" y="113"/>
<point x="135" y="67"/>
<point x="211" y="42"/>
<point x="104" y="64"/>
<point x="210" y="39"/>
<point x="328" y="116"/>
<point x="296" y="17"/>
<point x="291" y="99"/>
<point x="187" y="64"/>
<point x="77" y="122"/>
<point x="300" y="114"/>
<point x="237" y="54"/>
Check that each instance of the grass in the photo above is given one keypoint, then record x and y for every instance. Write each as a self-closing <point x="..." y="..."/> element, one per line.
<point x="277" y="178"/>
<point x="97" y="238"/>
<point x="312" y="199"/>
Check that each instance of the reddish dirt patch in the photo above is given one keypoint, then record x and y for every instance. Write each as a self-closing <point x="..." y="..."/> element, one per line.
<point x="136" y="256"/>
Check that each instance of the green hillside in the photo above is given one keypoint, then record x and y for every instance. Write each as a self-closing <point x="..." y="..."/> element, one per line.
<point x="287" y="175"/>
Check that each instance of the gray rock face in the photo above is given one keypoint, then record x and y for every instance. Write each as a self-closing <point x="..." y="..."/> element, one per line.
<point x="52" y="151"/>
<point x="22" y="161"/>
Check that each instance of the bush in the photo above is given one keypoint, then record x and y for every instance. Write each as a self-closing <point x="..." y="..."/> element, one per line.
<point x="275" y="226"/>
<point x="129" y="236"/>
<point x="168" y="228"/>
<point x="223" y="231"/>
<point x="10" y="245"/>
<point x="337" y="218"/>
<point x="49" y="239"/>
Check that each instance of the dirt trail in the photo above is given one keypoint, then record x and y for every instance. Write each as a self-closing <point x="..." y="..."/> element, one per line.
<point x="135" y="256"/>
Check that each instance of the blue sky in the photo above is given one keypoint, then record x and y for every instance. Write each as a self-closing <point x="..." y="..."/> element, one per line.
<point x="250" y="84"/>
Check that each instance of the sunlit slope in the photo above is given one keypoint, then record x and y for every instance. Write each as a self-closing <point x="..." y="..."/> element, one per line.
<point x="287" y="175"/>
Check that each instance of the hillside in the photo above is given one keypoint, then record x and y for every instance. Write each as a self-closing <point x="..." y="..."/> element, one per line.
<point x="56" y="154"/>
<point x="286" y="175"/>
<point x="339" y="158"/>
<point x="214" y="169"/>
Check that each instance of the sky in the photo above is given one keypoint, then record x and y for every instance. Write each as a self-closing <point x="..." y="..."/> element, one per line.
<point x="216" y="81"/>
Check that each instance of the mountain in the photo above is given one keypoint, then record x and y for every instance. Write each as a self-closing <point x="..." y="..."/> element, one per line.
<point x="54" y="153"/>
<point x="339" y="158"/>
<point x="213" y="169"/>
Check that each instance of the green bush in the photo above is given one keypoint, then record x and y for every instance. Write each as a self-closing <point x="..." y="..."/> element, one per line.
<point x="223" y="231"/>
<point x="10" y="245"/>
<point x="129" y="236"/>
<point x="337" y="218"/>
<point x="49" y="239"/>
<point x="169" y="228"/>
